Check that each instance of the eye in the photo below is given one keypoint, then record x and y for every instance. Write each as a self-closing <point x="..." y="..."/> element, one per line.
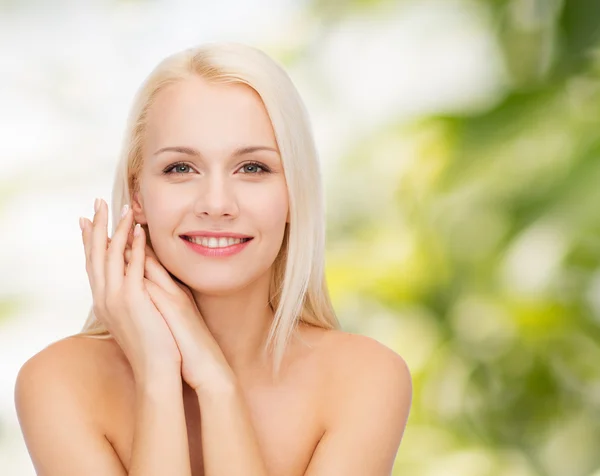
<point x="177" y="167"/>
<point x="252" y="167"/>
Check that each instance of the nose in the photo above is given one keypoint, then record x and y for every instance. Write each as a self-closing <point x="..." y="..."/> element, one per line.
<point x="216" y="198"/>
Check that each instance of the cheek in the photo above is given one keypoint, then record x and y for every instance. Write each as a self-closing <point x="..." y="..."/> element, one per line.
<point x="160" y="205"/>
<point x="269" y="208"/>
<point x="159" y="211"/>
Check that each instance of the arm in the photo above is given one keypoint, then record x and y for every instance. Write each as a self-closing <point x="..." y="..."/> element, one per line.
<point x="368" y="406"/>
<point x="57" y="407"/>
<point x="368" y="409"/>
<point x="229" y="442"/>
<point x="58" y="425"/>
<point x="160" y="442"/>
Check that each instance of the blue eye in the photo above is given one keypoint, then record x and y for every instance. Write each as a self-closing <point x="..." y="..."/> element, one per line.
<point x="252" y="168"/>
<point x="263" y="168"/>
<point x="174" y="166"/>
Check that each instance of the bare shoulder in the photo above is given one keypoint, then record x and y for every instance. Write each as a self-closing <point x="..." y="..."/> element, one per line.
<point x="368" y="400"/>
<point x="360" y="370"/>
<point x="79" y="356"/>
<point x="355" y="358"/>
<point x="57" y="401"/>
<point x="64" y="359"/>
<point x="82" y="366"/>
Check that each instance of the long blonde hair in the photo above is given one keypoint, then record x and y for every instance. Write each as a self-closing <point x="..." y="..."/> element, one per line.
<point x="298" y="289"/>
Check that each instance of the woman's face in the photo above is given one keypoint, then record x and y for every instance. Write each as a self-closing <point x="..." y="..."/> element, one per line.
<point x="200" y="126"/>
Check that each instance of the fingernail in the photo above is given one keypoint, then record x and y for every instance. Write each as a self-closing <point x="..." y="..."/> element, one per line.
<point x="96" y="205"/>
<point x="124" y="210"/>
<point x="81" y="223"/>
<point x="136" y="230"/>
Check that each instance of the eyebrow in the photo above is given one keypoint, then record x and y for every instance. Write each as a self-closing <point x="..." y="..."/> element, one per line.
<point x="237" y="152"/>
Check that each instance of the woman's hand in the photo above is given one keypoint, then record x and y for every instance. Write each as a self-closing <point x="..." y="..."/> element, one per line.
<point x="203" y="362"/>
<point x="120" y="298"/>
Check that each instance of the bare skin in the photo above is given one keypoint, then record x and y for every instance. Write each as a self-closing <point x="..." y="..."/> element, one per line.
<point x="287" y="416"/>
<point x="340" y="407"/>
<point x="341" y="404"/>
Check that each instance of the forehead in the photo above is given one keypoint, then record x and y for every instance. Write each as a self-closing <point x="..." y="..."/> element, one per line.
<point x="212" y="117"/>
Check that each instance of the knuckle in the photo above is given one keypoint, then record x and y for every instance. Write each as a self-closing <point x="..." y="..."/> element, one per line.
<point x="110" y="250"/>
<point x="111" y="254"/>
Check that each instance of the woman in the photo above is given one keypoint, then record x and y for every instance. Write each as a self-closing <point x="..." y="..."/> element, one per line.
<point x="212" y="346"/>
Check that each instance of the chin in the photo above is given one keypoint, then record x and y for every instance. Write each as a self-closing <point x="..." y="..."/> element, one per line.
<point x="218" y="287"/>
<point x="216" y="291"/>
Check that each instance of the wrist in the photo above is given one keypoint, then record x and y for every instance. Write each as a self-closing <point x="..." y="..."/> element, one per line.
<point x="157" y="379"/>
<point x="223" y="382"/>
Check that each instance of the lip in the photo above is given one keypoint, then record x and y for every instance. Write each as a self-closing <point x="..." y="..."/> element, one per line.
<point x="216" y="234"/>
<point x="217" y="252"/>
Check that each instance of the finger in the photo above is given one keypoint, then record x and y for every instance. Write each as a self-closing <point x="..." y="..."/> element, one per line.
<point x="175" y="279"/>
<point x="86" y="234"/>
<point x="180" y="325"/>
<point x="129" y="238"/>
<point x="98" y="250"/>
<point x="155" y="292"/>
<point x="135" y="268"/>
<point x="127" y="253"/>
<point x="185" y="289"/>
<point x="155" y="272"/>
<point x="86" y="231"/>
<point x="115" y="264"/>
<point x="150" y="252"/>
<point x="160" y="299"/>
<point x="87" y="223"/>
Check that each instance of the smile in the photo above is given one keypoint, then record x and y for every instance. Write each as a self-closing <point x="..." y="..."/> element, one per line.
<point x="215" y="242"/>
<point x="216" y="247"/>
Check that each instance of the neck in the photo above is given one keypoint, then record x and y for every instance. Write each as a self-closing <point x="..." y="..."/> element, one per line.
<point x="240" y="324"/>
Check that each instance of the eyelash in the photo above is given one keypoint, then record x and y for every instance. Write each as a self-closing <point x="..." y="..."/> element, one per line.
<point x="265" y="169"/>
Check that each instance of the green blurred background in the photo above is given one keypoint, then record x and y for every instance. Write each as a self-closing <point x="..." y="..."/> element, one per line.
<point x="462" y="230"/>
<point x="478" y="258"/>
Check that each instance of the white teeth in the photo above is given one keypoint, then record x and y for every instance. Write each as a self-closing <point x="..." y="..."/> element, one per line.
<point x="214" y="242"/>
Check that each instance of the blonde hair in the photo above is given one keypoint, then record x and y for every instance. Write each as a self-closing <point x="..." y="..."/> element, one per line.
<point x="298" y="289"/>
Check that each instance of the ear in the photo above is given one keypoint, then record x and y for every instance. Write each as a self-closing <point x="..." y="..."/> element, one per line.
<point x="137" y="207"/>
